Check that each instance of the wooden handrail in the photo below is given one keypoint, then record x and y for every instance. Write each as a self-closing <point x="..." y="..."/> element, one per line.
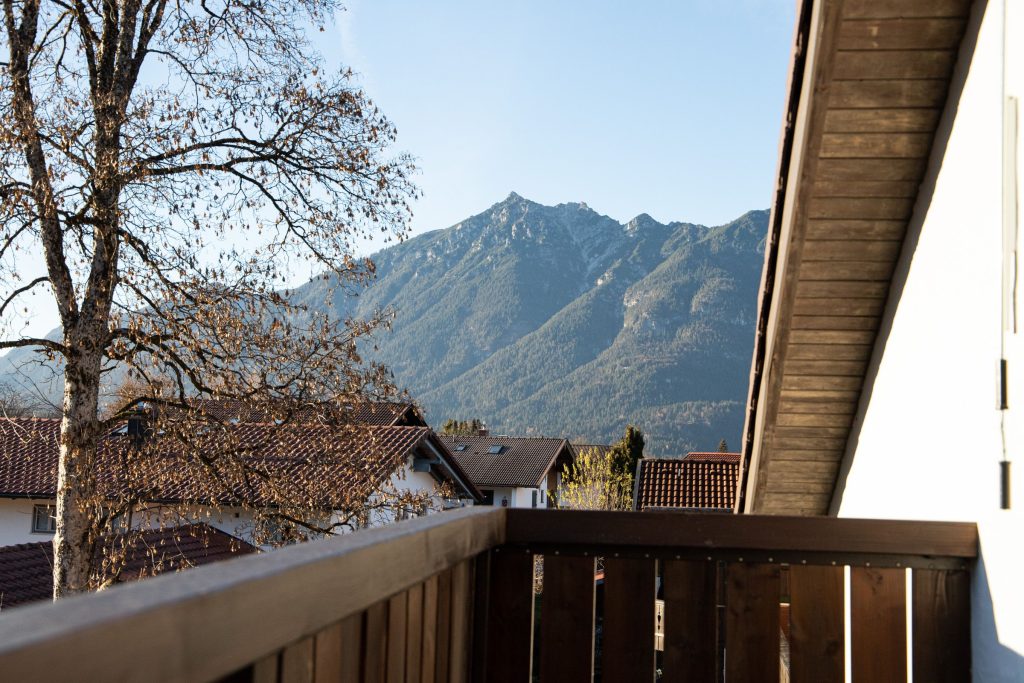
<point x="912" y="543"/>
<point x="212" y="620"/>
<point x="463" y="581"/>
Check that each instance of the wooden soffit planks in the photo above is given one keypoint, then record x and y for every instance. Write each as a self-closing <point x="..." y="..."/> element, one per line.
<point x="874" y="83"/>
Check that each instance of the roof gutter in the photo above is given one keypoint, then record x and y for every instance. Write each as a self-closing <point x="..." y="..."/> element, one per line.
<point x="798" y="61"/>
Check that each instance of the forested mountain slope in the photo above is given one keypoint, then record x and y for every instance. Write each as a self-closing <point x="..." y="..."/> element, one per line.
<point x="557" y="320"/>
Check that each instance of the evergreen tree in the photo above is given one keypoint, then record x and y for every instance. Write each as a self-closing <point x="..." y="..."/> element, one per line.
<point x="462" y="427"/>
<point x="626" y="453"/>
<point x="723" y="447"/>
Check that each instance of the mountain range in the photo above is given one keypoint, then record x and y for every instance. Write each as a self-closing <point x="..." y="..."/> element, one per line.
<point x="559" y="321"/>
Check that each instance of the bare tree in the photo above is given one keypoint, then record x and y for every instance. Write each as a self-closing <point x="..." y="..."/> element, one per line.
<point x="15" y="402"/>
<point x="174" y="162"/>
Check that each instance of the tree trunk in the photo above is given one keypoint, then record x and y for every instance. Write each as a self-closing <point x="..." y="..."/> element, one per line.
<point x="77" y="502"/>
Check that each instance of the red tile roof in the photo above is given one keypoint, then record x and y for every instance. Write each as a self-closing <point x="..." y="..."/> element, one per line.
<point x="687" y="484"/>
<point x="355" y="462"/>
<point x="712" y="456"/>
<point x="26" y="570"/>
<point x="522" y="461"/>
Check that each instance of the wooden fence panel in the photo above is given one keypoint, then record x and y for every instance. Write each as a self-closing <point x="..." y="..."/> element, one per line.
<point x="878" y="623"/>
<point x="752" y="622"/>
<point x="297" y="662"/>
<point x="430" y="589"/>
<point x="942" y="625"/>
<point x="375" y="643"/>
<point x="816" y="612"/>
<point x="352" y="648"/>
<point x="461" y="622"/>
<point x="444" y="625"/>
<point x="691" y="620"/>
<point x="398" y="607"/>
<point x="327" y="655"/>
<point x="510" y="617"/>
<point x="414" y="635"/>
<point x="628" y="631"/>
<point x="567" y="619"/>
<point x="266" y="670"/>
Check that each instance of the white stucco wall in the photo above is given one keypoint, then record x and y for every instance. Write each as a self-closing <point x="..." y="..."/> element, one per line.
<point x="517" y="497"/>
<point x="16" y="521"/>
<point x="927" y="443"/>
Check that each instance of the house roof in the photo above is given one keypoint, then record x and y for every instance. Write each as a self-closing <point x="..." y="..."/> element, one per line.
<point x="868" y="85"/>
<point x="521" y="461"/>
<point x="701" y="483"/>
<point x="355" y="462"/>
<point x="379" y="413"/>
<point x="26" y="570"/>
<point x="712" y="456"/>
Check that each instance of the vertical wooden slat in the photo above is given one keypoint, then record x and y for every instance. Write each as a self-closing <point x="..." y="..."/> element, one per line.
<point x="327" y="655"/>
<point x="444" y="625"/>
<point x="510" y="617"/>
<point x="266" y="670"/>
<point x="752" y="622"/>
<point x="375" y="643"/>
<point x="414" y="635"/>
<point x="297" y="662"/>
<point x="429" y="629"/>
<point x="481" y="591"/>
<point x="567" y="619"/>
<point x="628" y="639"/>
<point x="352" y="648"/>
<point x="942" y="625"/>
<point x="397" y="624"/>
<point x="462" y="597"/>
<point x="691" y="623"/>
<point x="878" y="616"/>
<point x="816" y="638"/>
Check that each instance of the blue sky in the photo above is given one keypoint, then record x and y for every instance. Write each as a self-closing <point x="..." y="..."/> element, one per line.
<point x="668" y="108"/>
<point x="671" y="108"/>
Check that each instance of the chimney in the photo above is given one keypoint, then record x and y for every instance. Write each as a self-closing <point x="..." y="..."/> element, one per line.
<point x="483" y="431"/>
<point x="136" y="424"/>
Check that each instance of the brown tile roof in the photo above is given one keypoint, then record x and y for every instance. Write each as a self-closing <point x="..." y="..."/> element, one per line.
<point x="695" y="484"/>
<point x="522" y="461"/>
<point x="26" y="570"/>
<point x="28" y="456"/>
<point x="354" y="462"/>
<point x="380" y="413"/>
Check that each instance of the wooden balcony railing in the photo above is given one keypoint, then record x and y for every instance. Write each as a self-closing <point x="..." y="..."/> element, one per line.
<point x="452" y="598"/>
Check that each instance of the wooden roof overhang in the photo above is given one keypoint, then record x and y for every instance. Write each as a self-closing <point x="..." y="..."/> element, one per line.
<point x="868" y="84"/>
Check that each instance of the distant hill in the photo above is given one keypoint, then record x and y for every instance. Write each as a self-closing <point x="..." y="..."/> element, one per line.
<point x="556" y="320"/>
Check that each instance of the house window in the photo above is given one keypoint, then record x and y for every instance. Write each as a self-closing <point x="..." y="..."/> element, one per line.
<point x="44" y="519"/>
<point x="488" y="497"/>
<point x="534" y="498"/>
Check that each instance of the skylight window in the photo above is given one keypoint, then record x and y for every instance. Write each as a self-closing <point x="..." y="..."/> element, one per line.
<point x="461" y="447"/>
<point x="494" y="450"/>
